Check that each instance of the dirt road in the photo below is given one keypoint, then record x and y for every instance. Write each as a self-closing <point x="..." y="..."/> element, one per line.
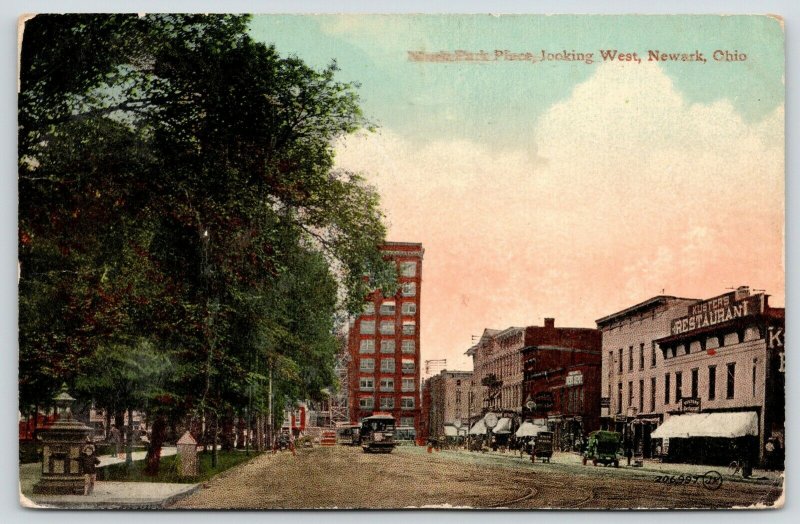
<point x="343" y="477"/>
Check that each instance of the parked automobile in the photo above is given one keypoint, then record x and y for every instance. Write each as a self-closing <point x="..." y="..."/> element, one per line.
<point x="604" y="447"/>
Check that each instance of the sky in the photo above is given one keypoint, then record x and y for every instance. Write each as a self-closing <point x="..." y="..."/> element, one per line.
<point x="563" y="189"/>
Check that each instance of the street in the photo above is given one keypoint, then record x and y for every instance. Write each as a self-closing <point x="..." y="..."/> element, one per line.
<point x="345" y="478"/>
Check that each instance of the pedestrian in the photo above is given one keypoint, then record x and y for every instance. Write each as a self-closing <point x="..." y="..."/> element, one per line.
<point x="89" y="462"/>
<point x="115" y="439"/>
<point x="628" y="450"/>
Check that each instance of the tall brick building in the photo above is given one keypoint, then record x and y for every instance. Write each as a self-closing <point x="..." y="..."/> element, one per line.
<point x="561" y="381"/>
<point x="384" y="345"/>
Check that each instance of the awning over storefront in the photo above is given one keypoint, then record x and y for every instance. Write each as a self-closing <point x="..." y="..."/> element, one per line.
<point x="719" y="425"/>
<point x="450" y="431"/>
<point x="528" y="429"/>
<point x="478" y="429"/>
<point x="503" y="427"/>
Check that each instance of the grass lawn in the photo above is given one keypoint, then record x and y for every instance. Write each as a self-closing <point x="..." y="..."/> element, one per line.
<point x="168" y="470"/>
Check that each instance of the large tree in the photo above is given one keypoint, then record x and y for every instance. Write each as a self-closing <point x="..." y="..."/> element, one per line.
<point x="177" y="184"/>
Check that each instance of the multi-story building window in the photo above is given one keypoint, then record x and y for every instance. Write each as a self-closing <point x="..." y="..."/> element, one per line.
<point x="652" y="394"/>
<point x="387" y="346"/>
<point x="408" y="384"/>
<point x="678" y="386"/>
<point x="641" y="356"/>
<point x="731" y="382"/>
<point x="619" y="398"/>
<point x="369" y="308"/>
<point x="620" y="360"/>
<point x="387" y="365"/>
<point x="408" y="269"/>
<point x="367" y="365"/>
<point x="630" y="393"/>
<point x="387" y="327"/>
<point x="409" y="308"/>
<point x="407" y="403"/>
<point x="387" y="309"/>
<point x="408" y="346"/>
<point x="641" y="396"/>
<point x="366" y="346"/>
<point x="366" y="384"/>
<point x="367" y="327"/>
<point x="695" y="374"/>
<point x="387" y="403"/>
<point x="366" y="402"/>
<point x="409" y="327"/>
<point x="406" y="421"/>
<point x="712" y="382"/>
<point x="653" y="355"/>
<point x="630" y="358"/>
<point x="409" y="289"/>
<point x="387" y="384"/>
<point x="666" y="389"/>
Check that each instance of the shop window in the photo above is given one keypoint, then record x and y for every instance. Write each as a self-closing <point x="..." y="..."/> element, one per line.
<point x="406" y="421"/>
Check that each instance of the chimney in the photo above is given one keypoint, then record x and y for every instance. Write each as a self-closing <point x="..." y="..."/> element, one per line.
<point x="549" y="322"/>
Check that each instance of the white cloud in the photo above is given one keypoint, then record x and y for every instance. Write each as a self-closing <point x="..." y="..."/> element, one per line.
<point x="633" y="190"/>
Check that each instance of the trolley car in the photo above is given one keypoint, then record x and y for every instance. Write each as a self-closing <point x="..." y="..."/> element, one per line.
<point x="377" y="433"/>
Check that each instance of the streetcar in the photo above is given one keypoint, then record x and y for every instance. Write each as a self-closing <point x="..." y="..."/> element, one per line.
<point x="377" y="433"/>
<point x="348" y="435"/>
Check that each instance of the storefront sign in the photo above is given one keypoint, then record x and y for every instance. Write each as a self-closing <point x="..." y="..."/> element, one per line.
<point x="620" y="418"/>
<point x="543" y="400"/>
<point x="690" y="405"/>
<point x="717" y="310"/>
<point x="605" y="402"/>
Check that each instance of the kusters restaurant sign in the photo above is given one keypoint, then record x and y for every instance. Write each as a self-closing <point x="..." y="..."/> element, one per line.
<point x="716" y="311"/>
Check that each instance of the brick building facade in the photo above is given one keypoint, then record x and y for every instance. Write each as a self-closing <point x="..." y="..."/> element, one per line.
<point x="448" y="402"/>
<point x="384" y="345"/>
<point x="561" y="380"/>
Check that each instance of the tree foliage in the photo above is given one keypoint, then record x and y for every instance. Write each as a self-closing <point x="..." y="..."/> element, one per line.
<point x="182" y="228"/>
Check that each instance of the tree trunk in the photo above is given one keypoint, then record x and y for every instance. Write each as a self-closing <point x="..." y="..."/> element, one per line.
<point x="119" y="421"/>
<point x="129" y="439"/>
<point x="108" y="423"/>
<point x="157" y="437"/>
<point x="240" y="425"/>
<point x="258" y="433"/>
<point x="214" y="442"/>
<point x="228" y="436"/>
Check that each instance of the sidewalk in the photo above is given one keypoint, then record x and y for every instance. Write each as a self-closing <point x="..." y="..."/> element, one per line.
<point x="107" y="495"/>
<point x="650" y="467"/>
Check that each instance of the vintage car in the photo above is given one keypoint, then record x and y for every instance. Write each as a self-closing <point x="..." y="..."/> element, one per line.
<point x="542" y="446"/>
<point x="603" y="447"/>
<point x="377" y="433"/>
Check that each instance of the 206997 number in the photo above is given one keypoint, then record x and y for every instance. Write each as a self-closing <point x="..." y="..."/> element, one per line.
<point x="711" y="480"/>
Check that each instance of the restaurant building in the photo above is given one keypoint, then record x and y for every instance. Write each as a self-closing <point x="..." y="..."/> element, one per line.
<point x="383" y="343"/>
<point x="561" y="381"/>
<point x="725" y="359"/>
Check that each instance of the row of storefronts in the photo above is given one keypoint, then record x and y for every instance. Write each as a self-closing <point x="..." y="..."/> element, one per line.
<point x="681" y="379"/>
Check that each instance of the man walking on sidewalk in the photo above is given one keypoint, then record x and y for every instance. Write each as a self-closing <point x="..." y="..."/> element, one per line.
<point x="89" y="462"/>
